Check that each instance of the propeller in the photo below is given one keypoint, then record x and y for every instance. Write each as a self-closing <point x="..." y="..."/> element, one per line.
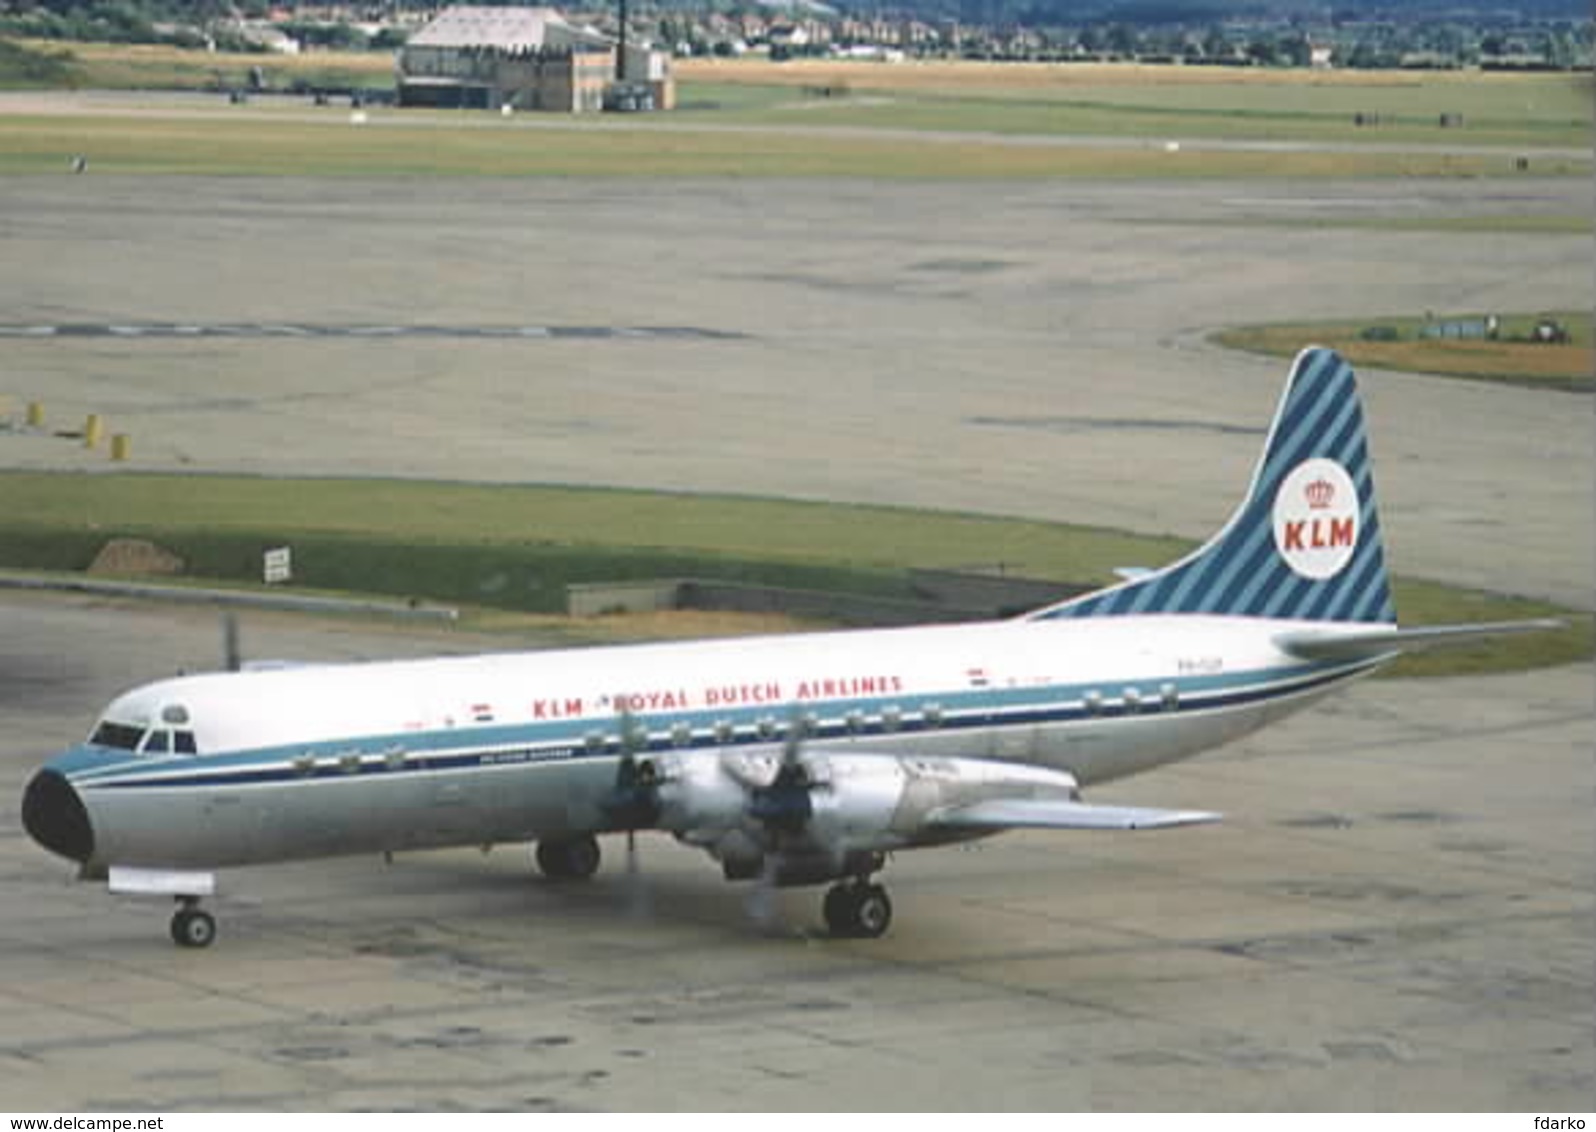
<point x="761" y="902"/>
<point x="633" y="803"/>
<point x="784" y="808"/>
<point x="232" y="654"/>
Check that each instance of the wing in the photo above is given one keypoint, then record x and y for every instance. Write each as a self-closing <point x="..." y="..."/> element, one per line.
<point x="996" y="814"/>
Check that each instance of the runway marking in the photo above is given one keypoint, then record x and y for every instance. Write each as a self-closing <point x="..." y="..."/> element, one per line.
<point x="350" y="330"/>
<point x="1082" y="424"/>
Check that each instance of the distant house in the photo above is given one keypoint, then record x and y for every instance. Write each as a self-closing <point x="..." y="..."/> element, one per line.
<point x="523" y="58"/>
<point x="1320" y="55"/>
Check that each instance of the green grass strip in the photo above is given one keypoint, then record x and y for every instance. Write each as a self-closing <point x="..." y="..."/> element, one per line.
<point x="517" y="547"/>
<point x="246" y="142"/>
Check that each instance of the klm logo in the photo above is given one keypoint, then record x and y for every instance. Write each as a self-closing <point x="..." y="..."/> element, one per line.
<point x="1316" y="519"/>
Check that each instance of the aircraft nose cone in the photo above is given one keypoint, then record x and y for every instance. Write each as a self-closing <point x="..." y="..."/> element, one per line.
<point x="54" y="816"/>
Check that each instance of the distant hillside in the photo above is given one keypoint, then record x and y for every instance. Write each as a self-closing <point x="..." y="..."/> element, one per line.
<point x="133" y="18"/>
<point x="1195" y="12"/>
<point x="21" y="68"/>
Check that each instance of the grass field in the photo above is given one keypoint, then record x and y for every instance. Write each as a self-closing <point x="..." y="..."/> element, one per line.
<point x="516" y="548"/>
<point x="1567" y="366"/>
<point x="118" y="66"/>
<point x="1122" y="100"/>
<point x="1151" y="102"/>
<point x="244" y="141"/>
<point x="756" y="119"/>
<point x="412" y="513"/>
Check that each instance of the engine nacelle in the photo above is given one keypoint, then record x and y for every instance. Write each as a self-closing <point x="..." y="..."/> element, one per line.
<point x="789" y="870"/>
<point x="857" y="807"/>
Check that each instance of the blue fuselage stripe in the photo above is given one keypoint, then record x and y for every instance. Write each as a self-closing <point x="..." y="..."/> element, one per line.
<point x="948" y="712"/>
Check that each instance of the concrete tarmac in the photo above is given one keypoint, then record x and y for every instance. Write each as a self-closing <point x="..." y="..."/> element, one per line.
<point x="1033" y="349"/>
<point x="1397" y="912"/>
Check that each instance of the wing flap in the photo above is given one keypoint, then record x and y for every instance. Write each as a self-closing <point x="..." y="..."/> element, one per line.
<point x="1045" y="813"/>
<point x="1339" y="644"/>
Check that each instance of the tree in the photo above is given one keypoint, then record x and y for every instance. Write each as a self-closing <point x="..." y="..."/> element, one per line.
<point x="1294" y="50"/>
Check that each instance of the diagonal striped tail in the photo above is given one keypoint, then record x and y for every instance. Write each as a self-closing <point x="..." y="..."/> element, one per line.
<point x="1305" y="545"/>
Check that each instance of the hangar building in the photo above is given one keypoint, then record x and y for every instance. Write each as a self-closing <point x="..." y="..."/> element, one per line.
<point x="525" y="58"/>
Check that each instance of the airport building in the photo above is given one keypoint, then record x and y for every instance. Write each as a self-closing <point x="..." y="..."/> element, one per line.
<point x="527" y="59"/>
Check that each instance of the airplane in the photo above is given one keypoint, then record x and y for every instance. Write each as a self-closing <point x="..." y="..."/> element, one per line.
<point x="791" y="760"/>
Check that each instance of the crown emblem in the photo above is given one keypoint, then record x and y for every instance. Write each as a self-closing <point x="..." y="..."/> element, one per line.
<point x="1320" y="494"/>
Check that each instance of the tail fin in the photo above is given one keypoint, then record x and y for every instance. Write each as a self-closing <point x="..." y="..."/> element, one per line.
<point x="1305" y="545"/>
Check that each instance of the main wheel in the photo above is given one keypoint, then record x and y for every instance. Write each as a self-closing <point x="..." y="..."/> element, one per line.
<point x="193" y="927"/>
<point x="568" y="858"/>
<point x="872" y="913"/>
<point x="837" y="909"/>
<point x="857" y="911"/>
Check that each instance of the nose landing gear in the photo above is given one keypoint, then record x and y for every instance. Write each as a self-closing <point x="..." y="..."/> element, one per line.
<point x="192" y="926"/>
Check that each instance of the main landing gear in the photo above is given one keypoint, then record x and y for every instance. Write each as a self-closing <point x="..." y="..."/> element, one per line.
<point x="568" y="858"/>
<point x="857" y="909"/>
<point x="192" y="926"/>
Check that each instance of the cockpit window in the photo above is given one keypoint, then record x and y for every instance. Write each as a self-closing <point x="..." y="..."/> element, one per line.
<point x="183" y="742"/>
<point x="158" y="743"/>
<point x="118" y="735"/>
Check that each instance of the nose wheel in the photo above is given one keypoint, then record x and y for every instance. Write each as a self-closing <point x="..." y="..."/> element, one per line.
<point x="857" y="910"/>
<point x="192" y="926"/>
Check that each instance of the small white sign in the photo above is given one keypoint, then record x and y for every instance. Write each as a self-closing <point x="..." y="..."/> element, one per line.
<point x="278" y="565"/>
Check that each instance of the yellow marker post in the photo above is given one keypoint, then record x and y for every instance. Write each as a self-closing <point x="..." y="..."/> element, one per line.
<point x="119" y="446"/>
<point x="93" y="430"/>
<point x="35" y="414"/>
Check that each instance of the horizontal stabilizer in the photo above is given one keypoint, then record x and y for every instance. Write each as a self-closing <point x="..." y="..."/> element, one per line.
<point x="1339" y="644"/>
<point x="1042" y="813"/>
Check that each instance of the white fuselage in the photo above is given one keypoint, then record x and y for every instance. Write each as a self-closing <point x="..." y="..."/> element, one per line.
<point x="318" y="760"/>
